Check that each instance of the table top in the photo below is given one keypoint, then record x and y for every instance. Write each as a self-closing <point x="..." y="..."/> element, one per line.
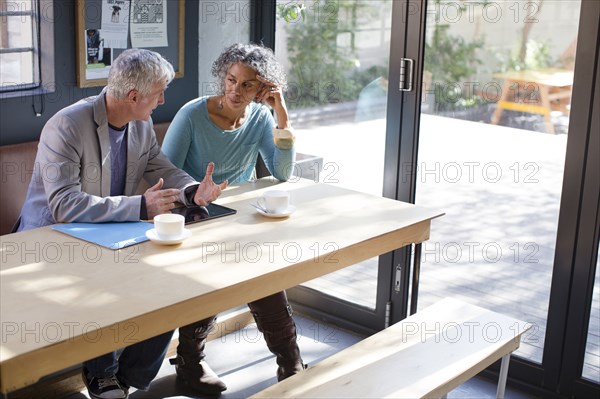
<point x="64" y="300"/>
<point x="552" y="77"/>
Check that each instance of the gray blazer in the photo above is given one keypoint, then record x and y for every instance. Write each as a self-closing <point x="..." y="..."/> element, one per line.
<point x="72" y="172"/>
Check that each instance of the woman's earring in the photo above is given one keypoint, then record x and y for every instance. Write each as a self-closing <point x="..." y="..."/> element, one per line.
<point x="220" y="105"/>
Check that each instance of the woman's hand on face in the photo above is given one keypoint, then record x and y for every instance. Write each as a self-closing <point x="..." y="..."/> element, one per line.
<point x="273" y="96"/>
<point x="269" y="93"/>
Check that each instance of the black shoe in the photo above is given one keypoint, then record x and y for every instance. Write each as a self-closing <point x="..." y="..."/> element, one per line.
<point x="104" y="388"/>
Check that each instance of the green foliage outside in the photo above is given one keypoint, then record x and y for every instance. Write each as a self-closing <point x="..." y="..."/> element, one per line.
<point x="537" y="56"/>
<point x="452" y="60"/>
<point x="291" y="12"/>
<point x="323" y="71"/>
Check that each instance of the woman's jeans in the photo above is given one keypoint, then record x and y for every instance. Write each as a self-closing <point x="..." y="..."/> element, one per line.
<point x="138" y="364"/>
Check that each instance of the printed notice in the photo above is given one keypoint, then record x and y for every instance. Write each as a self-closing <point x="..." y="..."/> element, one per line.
<point x="115" y="24"/>
<point x="148" y="23"/>
<point x="99" y="57"/>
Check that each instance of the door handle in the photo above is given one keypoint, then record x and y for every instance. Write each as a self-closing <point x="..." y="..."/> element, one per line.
<point x="406" y="74"/>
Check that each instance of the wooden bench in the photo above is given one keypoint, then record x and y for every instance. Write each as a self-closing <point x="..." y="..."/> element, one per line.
<point x="426" y="355"/>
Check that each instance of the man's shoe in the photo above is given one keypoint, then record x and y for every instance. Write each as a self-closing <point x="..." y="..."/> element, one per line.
<point x="104" y="388"/>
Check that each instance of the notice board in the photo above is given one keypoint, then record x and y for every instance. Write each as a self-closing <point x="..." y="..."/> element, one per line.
<point x="157" y="25"/>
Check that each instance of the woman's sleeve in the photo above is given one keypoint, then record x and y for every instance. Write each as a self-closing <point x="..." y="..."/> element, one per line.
<point x="279" y="162"/>
<point x="178" y="138"/>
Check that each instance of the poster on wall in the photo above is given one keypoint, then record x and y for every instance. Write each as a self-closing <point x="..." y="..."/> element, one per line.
<point x="98" y="56"/>
<point x="115" y="23"/>
<point x="148" y="23"/>
<point x="103" y="25"/>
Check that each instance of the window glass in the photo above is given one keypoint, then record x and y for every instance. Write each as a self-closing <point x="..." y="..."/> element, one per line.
<point x="336" y="55"/>
<point x="497" y="85"/>
<point x="19" y="48"/>
<point x="16" y="69"/>
<point x="591" y="363"/>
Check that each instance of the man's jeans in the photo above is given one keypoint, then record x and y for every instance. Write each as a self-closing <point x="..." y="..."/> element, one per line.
<point x="138" y="364"/>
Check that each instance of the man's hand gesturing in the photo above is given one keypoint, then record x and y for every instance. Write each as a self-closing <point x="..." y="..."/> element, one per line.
<point x="160" y="201"/>
<point x="208" y="191"/>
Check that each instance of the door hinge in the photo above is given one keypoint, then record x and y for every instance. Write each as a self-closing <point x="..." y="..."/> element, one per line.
<point x="388" y="314"/>
<point x="406" y="74"/>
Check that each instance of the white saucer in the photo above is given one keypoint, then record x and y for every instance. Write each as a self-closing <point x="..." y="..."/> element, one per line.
<point x="283" y="214"/>
<point x="151" y="234"/>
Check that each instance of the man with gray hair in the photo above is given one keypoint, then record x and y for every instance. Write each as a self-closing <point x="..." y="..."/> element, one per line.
<point x="91" y="158"/>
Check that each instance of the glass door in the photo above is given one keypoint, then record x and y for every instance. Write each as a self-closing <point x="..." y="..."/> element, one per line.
<point x="591" y="361"/>
<point x="336" y="55"/>
<point x="507" y="134"/>
<point x="493" y="132"/>
<point x="576" y="284"/>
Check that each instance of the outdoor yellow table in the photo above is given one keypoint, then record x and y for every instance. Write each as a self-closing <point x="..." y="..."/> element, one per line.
<point x="64" y="300"/>
<point x="537" y="91"/>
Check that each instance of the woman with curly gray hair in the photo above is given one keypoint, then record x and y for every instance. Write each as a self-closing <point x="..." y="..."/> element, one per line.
<point x="234" y="126"/>
<point x="231" y="129"/>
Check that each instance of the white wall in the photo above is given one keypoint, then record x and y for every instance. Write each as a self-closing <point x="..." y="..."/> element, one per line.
<point x="221" y="23"/>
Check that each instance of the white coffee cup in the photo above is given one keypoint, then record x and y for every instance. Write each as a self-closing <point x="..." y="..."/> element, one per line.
<point x="275" y="201"/>
<point x="168" y="226"/>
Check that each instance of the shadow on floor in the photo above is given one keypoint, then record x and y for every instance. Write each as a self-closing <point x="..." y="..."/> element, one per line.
<point x="244" y="363"/>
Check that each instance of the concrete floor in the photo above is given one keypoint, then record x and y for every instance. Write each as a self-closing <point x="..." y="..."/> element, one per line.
<point x="500" y="189"/>
<point x="246" y="366"/>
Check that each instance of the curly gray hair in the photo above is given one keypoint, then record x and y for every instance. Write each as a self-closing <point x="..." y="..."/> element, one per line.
<point x="138" y="69"/>
<point x="259" y="58"/>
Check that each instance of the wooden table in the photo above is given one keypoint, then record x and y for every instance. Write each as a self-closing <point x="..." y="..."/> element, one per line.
<point x="537" y="91"/>
<point x="64" y="301"/>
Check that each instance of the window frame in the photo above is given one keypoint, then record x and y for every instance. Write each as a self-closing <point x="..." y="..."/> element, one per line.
<point x="34" y="49"/>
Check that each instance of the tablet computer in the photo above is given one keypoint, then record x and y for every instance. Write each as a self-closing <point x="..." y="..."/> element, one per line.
<point x="194" y="214"/>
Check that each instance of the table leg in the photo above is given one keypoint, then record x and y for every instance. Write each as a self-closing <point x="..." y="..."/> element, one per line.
<point x="499" y="104"/>
<point x="560" y="98"/>
<point x="545" y="98"/>
<point x="503" y="376"/>
<point x="414" y="291"/>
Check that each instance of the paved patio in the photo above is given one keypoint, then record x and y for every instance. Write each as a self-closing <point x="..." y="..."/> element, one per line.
<point x="500" y="189"/>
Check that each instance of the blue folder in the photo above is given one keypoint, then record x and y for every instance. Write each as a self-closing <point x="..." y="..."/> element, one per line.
<point x="109" y="235"/>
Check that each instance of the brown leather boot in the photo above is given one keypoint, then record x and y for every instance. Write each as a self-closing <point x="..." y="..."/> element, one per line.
<point x="190" y="367"/>
<point x="273" y="316"/>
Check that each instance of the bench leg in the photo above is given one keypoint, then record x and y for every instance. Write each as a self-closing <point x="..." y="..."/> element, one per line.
<point x="502" y="377"/>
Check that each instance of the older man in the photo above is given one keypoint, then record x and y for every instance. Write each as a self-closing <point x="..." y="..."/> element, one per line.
<point x="91" y="158"/>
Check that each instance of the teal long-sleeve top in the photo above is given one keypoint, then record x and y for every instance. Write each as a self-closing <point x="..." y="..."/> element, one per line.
<point x="193" y="140"/>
